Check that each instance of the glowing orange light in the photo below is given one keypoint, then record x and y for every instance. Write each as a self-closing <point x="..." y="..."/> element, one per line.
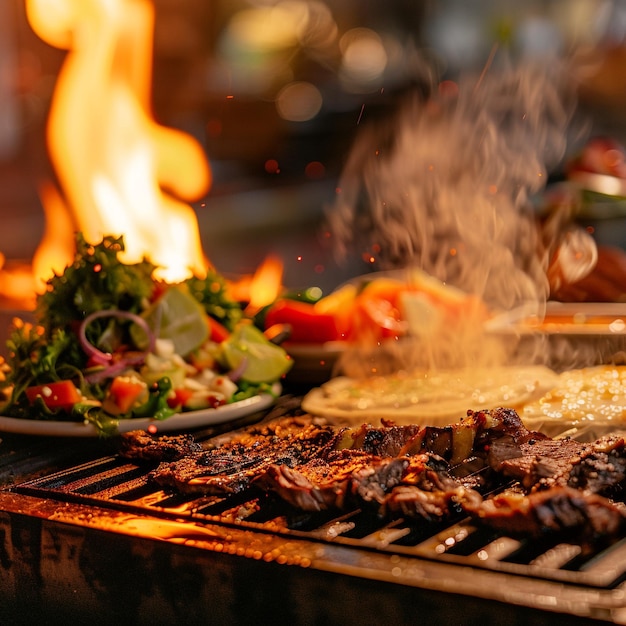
<point x="266" y="284"/>
<point x="121" y="173"/>
<point x="54" y="252"/>
<point x="17" y="284"/>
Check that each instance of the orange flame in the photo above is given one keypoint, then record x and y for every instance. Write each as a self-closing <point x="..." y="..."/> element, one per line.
<point x="261" y="288"/>
<point x="121" y="173"/>
<point x="54" y="252"/>
<point x="266" y="283"/>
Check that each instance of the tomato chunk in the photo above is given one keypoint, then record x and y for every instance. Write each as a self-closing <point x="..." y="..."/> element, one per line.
<point x="61" y="394"/>
<point x="217" y="332"/>
<point x="179" y="397"/>
<point x="307" y="324"/>
<point x="376" y="319"/>
<point x="124" y="392"/>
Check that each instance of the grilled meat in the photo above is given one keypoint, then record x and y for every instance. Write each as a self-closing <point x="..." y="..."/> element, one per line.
<point x="427" y="491"/>
<point x="416" y="486"/>
<point x="415" y="503"/>
<point x="571" y="513"/>
<point x="138" y="445"/>
<point x="390" y="440"/>
<point x="598" y="467"/>
<point x="405" y="471"/>
<point x="232" y="466"/>
<point x="323" y="482"/>
<point x="534" y="460"/>
<point x="472" y="435"/>
<point x="603" y="470"/>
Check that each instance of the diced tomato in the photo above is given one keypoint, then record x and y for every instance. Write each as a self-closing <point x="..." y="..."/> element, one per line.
<point x="339" y="304"/>
<point x="307" y="325"/>
<point x="217" y="332"/>
<point x="376" y="319"/>
<point x="62" y="394"/>
<point x="124" y="392"/>
<point x="179" y="397"/>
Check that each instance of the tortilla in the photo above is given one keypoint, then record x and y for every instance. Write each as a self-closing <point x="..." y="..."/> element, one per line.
<point x="428" y="398"/>
<point x="592" y="398"/>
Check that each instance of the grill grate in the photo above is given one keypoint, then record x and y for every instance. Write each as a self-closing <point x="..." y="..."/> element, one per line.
<point x="114" y="483"/>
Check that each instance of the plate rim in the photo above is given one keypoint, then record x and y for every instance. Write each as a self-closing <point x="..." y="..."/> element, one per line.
<point x="176" y="422"/>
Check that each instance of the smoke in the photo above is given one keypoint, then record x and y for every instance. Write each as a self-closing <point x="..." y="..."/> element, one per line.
<point x="447" y="184"/>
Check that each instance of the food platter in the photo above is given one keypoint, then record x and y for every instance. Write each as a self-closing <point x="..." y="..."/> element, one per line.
<point x="178" y="422"/>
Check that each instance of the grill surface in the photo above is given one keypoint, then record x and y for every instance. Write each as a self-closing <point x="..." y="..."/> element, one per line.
<point x="112" y="494"/>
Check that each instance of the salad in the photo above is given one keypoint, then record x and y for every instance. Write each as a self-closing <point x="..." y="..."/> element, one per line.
<point x="111" y="342"/>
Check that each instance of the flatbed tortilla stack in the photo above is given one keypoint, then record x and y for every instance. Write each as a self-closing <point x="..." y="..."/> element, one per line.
<point x="429" y="398"/>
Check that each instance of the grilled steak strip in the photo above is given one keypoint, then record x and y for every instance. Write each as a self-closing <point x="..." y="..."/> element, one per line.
<point x="138" y="445"/>
<point x="417" y="486"/>
<point x="602" y="472"/>
<point x="321" y="483"/>
<point x="569" y="512"/>
<point x="598" y="467"/>
<point x="427" y="491"/>
<point x="232" y="466"/>
<point x="415" y="503"/>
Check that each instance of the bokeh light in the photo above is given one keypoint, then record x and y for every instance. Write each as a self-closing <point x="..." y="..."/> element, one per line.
<point x="299" y="101"/>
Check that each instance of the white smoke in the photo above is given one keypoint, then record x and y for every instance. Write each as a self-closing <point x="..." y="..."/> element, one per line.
<point x="447" y="184"/>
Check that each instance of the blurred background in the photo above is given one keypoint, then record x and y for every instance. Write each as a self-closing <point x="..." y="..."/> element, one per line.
<point x="277" y="90"/>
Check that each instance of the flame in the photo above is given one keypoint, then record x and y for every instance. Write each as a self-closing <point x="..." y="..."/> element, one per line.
<point x="17" y="285"/>
<point x="54" y="252"/>
<point x="261" y="288"/>
<point x="121" y="173"/>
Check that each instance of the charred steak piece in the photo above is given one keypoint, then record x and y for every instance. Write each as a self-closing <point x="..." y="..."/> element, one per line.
<point x="232" y="466"/>
<point x="579" y="516"/>
<point x="323" y="482"/>
<point x="390" y="440"/>
<point x="601" y="471"/>
<point x="417" y="486"/>
<point x="533" y="461"/>
<point x="414" y="503"/>
<point x="597" y="467"/>
<point x="138" y="445"/>
<point x="474" y="434"/>
<point x="427" y="491"/>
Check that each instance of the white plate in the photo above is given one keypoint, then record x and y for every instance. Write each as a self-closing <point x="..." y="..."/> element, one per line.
<point x="177" y="422"/>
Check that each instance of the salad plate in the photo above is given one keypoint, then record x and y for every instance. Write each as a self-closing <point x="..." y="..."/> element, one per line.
<point x="177" y="422"/>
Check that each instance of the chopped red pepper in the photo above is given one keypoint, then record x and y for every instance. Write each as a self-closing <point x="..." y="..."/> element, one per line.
<point x="124" y="392"/>
<point x="179" y="397"/>
<point x="217" y="332"/>
<point x="307" y="324"/>
<point x="61" y="394"/>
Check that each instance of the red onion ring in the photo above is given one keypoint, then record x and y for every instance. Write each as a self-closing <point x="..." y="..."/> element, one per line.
<point x="104" y="358"/>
